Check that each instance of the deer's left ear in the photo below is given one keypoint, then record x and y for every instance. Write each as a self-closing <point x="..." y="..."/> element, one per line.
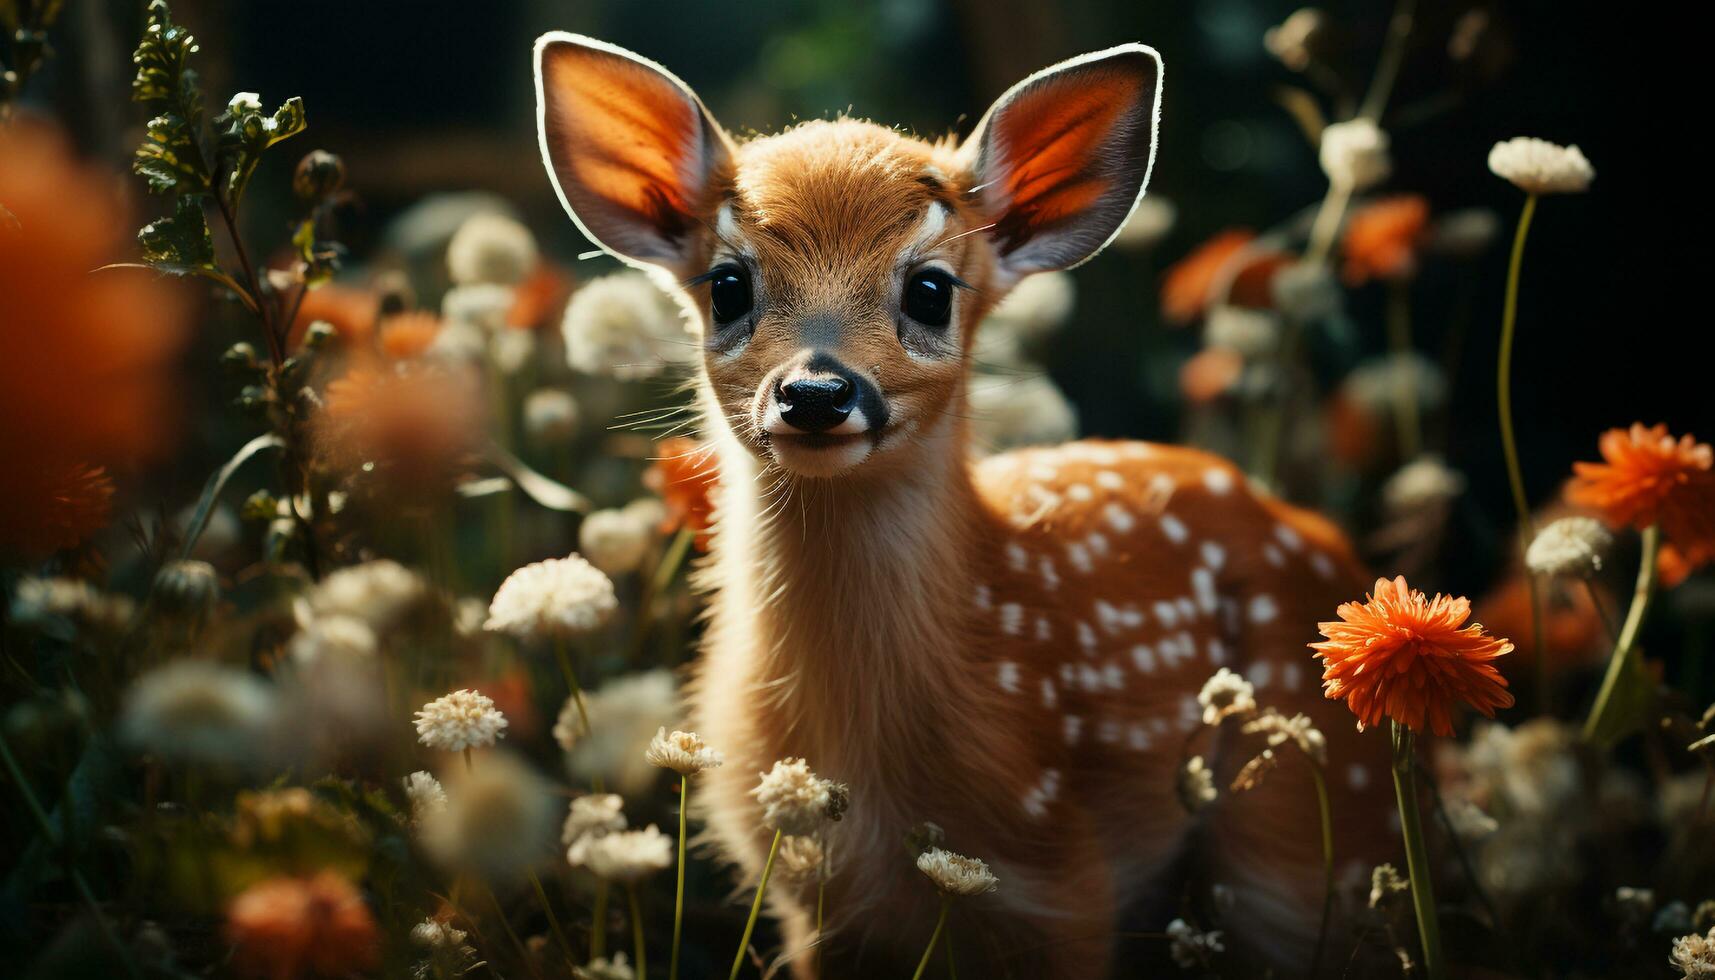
<point x="1062" y="158"/>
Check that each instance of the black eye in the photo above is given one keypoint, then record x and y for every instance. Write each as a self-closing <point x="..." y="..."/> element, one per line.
<point x="929" y="297"/>
<point x="729" y="293"/>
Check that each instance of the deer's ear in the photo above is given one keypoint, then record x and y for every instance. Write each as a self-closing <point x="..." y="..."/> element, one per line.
<point x="1062" y="158"/>
<point x="629" y="147"/>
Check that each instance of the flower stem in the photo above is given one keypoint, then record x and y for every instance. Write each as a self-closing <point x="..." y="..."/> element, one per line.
<point x="637" y="931"/>
<point x="518" y="944"/>
<point x="553" y="920"/>
<point x="679" y="890"/>
<point x="1326" y="814"/>
<point x="564" y="658"/>
<point x="1624" y="646"/>
<point x="934" y="937"/>
<point x="598" y="922"/>
<point x="1416" y="854"/>
<point x="1509" y="440"/>
<point x="755" y="909"/>
<point x="469" y="764"/>
<point x="655" y="585"/>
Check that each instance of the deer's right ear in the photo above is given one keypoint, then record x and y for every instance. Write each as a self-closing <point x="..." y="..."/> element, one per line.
<point x="629" y="147"/>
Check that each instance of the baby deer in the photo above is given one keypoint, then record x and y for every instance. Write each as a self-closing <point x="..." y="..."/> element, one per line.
<point x="1009" y="648"/>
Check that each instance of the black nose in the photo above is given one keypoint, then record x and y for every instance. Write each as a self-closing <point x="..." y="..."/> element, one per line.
<point x="815" y="404"/>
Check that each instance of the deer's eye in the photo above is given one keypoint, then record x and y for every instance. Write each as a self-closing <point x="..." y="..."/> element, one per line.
<point x="729" y="293"/>
<point x="929" y="297"/>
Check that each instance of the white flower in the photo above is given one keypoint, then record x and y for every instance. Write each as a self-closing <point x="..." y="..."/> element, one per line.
<point x="380" y="593"/>
<point x="498" y="819"/>
<point x="629" y="855"/>
<point x="550" y="417"/>
<point x="1385" y="883"/>
<point x="1695" y="956"/>
<point x="1298" y="729"/>
<point x="432" y="934"/>
<point x="1191" y="948"/>
<point x="801" y="857"/>
<point x="794" y="799"/>
<point x="561" y="597"/>
<point x="491" y="248"/>
<point x="1295" y="39"/>
<point x="1469" y="821"/>
<point x="1571" y="546"/>
<point x="1306" y="292"/>
<point x="1425" y="481"/>
<point x="1540" y="167"/>
<point x="1149" y="223"/>
<point x="1252" y="333"/>
<point x="425" y="795"/>
<point x="1531" y="770"/>
<point x="1375" y="384"/>
<point x="195" y="711"/>
<point x="1224" y="695"/>
<point x="481" y="306"/>
<point x="602" y="968"/>
<point x="616" y="540"/>
<point x="1354" y="154"/>
<point x="1035" y="309"/>
<point x="624" y="715"/>
<point x="513" y="349"/>
<point x="39" y="599"/>
<point x="1196" y="784"/>
<point x="592" y="816"/>
<point x="683" y="752"/>
<point x="460" y="720"/>
<point x="956" y="874"/>
<point x="622" y="325"/>
<point x="336" y="637"/>
<point x="1020" y="411"/>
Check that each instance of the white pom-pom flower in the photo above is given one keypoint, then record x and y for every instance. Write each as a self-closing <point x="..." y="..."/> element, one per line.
<point x="491" y="248"/>
<point x="1354" y="154"/>
<point x="460" y="720"/>
<point x="562" y="597"/>
<point x="956" y="874"/>
<point x="1539" y="167"/>
<point x="1571" y="546"/>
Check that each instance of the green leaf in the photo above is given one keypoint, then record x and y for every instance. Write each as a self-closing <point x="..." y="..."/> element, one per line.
<point x="243" y="132"/>
<point x="217" y="483"/>
<point x="164" y="77"/>
<point x="170" y="159"/>
<point x="179" y="243"/>
<point x="321" y="259"/>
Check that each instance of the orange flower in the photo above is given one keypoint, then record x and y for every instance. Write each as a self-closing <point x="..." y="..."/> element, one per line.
<point x="684" y="474"/>
<point x="1404" y="656"/>
<point x="1382" y="238"/>
<point x="85" y="377"/>
<point x="1187" y="284"/>
<point x="411" y="425"/>
<point x="1572" y="631"/>
<point x="408" y="335"/>
<point x="542" y="294"/>
<point x="1209" y="374"/>
<point x="1649" y="477"/>
<point x="352" y="313"/>
<point x="286" y="928"/>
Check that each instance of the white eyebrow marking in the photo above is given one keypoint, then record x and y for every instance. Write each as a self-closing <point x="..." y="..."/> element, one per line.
<point x="726" y="227"/>
<point x="929" y="232"/>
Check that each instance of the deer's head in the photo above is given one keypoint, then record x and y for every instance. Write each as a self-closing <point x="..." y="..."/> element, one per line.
<point x="841" y="268"/>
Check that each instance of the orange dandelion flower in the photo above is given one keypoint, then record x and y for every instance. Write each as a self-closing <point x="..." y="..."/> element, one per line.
<point x="1403" y="656"/>
<point x="411" y="425"/>
<point x="44" y="510"/>
<point x="286" y="928"/>
<point x="684" y="474"/>
<point x="1382" y="239"/>
<point x="1187" y="286"/>
<point x="408" y="335"/>
<point x="1649" y="477"/>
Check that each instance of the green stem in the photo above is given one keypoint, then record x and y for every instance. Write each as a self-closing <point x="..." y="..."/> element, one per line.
<point x="656" y="584"/>
<point x="1623" y="648"/>
<point x="1387" y="68"/>
<point x="1326" y="814"/>
<point x="679" y="889"/>
<point x="637" y="931"/>
<point x="934" y="937"/>
<point x="553" y="920"/>
<point x="518" y="944"/>
<point x="564" y="658"/>
<point x="598" y="923"/>
<point x="1408" y="427"/>
<point x="755" y="909"/>
<point x="1509" y="440"/>
<point x="1416" y="854"/>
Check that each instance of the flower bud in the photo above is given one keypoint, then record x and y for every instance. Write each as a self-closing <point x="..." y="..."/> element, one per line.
<point x="187" y="588"/>
<point x="319" y="174"/>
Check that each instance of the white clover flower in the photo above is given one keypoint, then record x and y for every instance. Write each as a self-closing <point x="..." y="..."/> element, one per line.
<point x="480" y="308"/>
<point x="1224" y="695"/>
<point x="1191" y="948"/>
<point x="550" y="417"/>
<point x="1298" y="729"/>
<point x="956" y="874"/>
<point x="193" y="711"/>
<point x="493" y="248"/>
<point x="616" y="540"/>
<point x="561" y="597"/>
<point x="801" y="857"/>
<point x="498" y="819"/>
<point x="1035" y="309"/>
<point x="1306" y="292"/>
<point x="683" y="752"/>
<point x="624" y="715"/>
<point x="602" y="968"/>
<point x="794" y="799"/>
<point x="1571" y="547"/>
<point x="629" y="856"/>
<point x="1540" y="167"/>
<point x="1196" y="784"/>
<point x="595" y="815"/>
<point x="381" y="593"/>
<point x="1252" y="333"/>
<point x="461" y="720"/>
<point x="622" y="325"/>
<point x="1424" y="482"/>
<point x="423" y="791"/>
<point x="1694" y="955"/>
<point x="1031" y="410"/>
<point x="1354" y="154"/>
<point x="345" y="638"/>
<point x="1149" y="223"/>
<point x="1294" y="41"/>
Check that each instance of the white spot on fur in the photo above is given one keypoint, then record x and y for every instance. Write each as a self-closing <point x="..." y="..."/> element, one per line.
<point x="1043" y="473"/>
<point x="1137" y="739"/>
<point x="1187" y="608"/>
<point x="1044" y="631"/>
<point x="1218" y="480"/>
<point x="1090" y="678"/>
<point x="1214" y="555"/>
<point x="1144" y="657"/>
<point x="1217" y="651"/>
<point x="1165" y="612"/>
<point x="1108" y="732"/>
<point x="984" y="598"/>
<point x="1113" y="676"/>
<point x="1087" y="637"/>
<point x="1190" y="713"/>
<point x="1074" y="727"/>
<point x="1098" y="544"/>
<point x="1291" y="675"/>
<point x="1119" y="518"/>
<point x="1357" y="777"/>
<point x="1008" y="677"/>
<point x="1262" y="609"/>
<point x="1050" y="697"/>
<point x="1288" y="537"/>
<point x="1079" y="556"/>
<point x="1260" y="674"/>
<point x="1203" y="587"/>
<point x="1109" y="480"/>
<point x="1174" y="528"/>
<point x="1012" y="618"/>
<point x="1017" y="557"/>
<point x="1080" y="492"/>
<point x="1321" y="564"/>
<point x="1273" y="555"/>
<point x="1050" y="577"/>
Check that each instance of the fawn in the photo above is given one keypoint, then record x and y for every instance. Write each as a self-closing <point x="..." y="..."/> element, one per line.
<point x="1009" y="648"/>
